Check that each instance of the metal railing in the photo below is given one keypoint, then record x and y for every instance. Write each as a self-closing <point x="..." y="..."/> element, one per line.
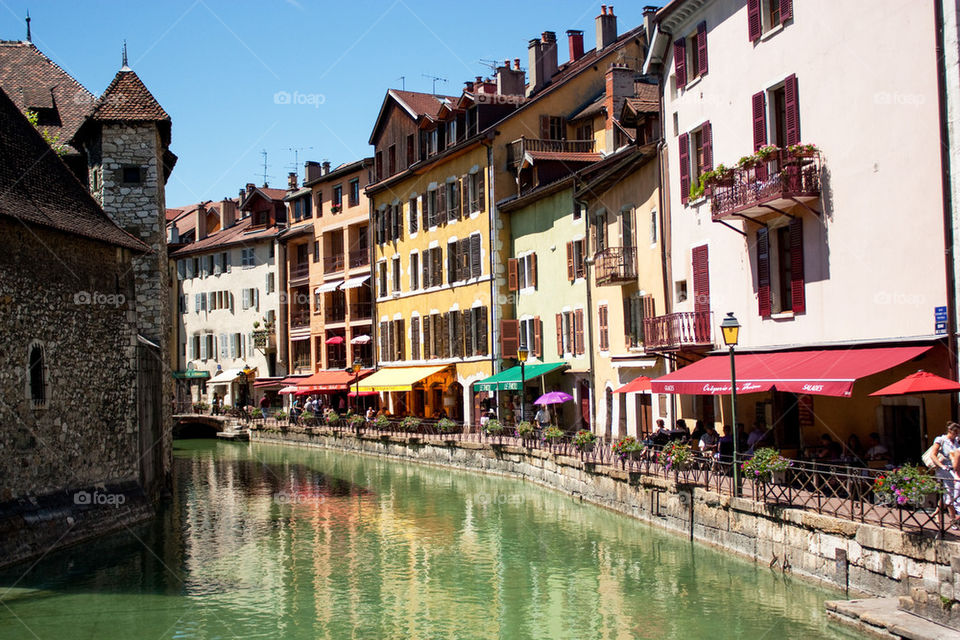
<point x="300" y="271"/>
<point x="361" y="310"/>
<point x="616" y="264"/>
<point x="782" y="175"/>
<point x="333" y="263"/>
<point x="675" y="330"/>
<point x="300" y="319"/>
<point x="359" y="258"/>
<point x="336" y="313"/>
<point x="517" y="148"/>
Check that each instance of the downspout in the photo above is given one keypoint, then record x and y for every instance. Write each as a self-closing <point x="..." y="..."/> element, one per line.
<point x="589" y="262"/>
<point x="945" y="182"/>
<point x="494" y="327"/>
<point x="665" y="238"/>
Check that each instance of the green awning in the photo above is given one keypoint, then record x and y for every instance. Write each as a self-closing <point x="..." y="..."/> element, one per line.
<point x="509" y="380"/>
<point x="190" y="374"/>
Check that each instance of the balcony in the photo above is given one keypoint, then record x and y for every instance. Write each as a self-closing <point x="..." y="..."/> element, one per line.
<point x="265" y="340"/>
<point x="300" y="319"/>
<point x="784" y="180"/>
<point x="678" y="330"/>
<point x="334" y="263"/>
<point x="517" y="149"/>
<point x="300" y="270"/>
<point x="336" y="313"/>
<point x="616" y="265"/>
<point x="361" y="311"/>
<point x="359" y="258"/>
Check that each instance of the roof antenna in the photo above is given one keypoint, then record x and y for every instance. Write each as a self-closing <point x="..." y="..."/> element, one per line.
<point x="125" y="67"/>
<point x="403" y="83"/>
<point x="434" y="78"/>
<point x="29" y="38"/>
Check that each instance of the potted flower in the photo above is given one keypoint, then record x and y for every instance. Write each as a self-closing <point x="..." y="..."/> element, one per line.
<point x="628" y="448"/>
<point x="410" y="423"/>
<point x="525" y="430"/>
<point x="200" y="407"/>
<point x="767" y="465"/>
<point x="493" y="427"/>
<point x="552" y="434"/>
<point x="766" y="151"/>
<point x="584" y="440"/>
<point x="446" y="425"/>
<point x="280" y="415"/>
<point x="676" y="456"/>
<point x="257" y="413"/>
<point x="908" y="486"/>
<point x="337" y="208"/>
<point x="356" y="422"/>
<point x="381" y="422"/>
<point x="333" y="418"/>
<point x="803" y="150"/>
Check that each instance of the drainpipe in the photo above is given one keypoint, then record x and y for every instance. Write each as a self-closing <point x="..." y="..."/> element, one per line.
<point x="589" y="274"/>
<point x="945" y="181"/>
<point x="494" y="327"/>
<point x="665" y="238"/>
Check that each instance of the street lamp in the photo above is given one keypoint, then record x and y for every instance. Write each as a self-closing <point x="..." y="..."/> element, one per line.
<point x="731" y="334"/>
<point x="522" y="357"/>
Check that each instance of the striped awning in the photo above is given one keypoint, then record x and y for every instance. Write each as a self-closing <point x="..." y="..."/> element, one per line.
<point x="398" y="378"/>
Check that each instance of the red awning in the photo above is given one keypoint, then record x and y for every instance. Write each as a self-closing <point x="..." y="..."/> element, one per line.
<point x="328" y="381"/>
<point x="641" y="383"/>
<point x="293" y="380"/>
<point x="268" y="382"/>
<point x="919" y="382"/>
<point x="816" y="372"/>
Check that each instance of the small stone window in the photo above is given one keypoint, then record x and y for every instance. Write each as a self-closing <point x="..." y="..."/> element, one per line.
<point x="36" y="376"/>
<point x="132" y="175"/>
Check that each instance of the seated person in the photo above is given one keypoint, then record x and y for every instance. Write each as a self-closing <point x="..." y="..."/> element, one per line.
<point x="710" y="441"/>
<point x="756" y="437"/>
<point x="829" y="449"/>
<point x="877" y="450"/>
<point x="659" y="437"/>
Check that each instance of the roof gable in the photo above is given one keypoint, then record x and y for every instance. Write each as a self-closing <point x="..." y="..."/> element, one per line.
<point x="127" y="98"/>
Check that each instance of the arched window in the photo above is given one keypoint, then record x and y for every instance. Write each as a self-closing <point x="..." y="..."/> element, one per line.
<point x="38" y="387"/>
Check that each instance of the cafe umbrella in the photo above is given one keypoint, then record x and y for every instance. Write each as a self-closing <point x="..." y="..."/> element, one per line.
<point x="553" y="397"/>
<point x="920" y="383"/>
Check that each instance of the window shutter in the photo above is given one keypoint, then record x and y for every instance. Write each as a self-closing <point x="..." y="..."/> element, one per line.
<point x="442" y="204"/>
<point x="533" y="270"/>
<point x="401" y="335"/>
<point x="465" y="320"/>
<point x="481" y="345"/>
<point x="463" y="258"/>
<point x="759" y="105"/>
<point x="512" y="283"/>
<point x="256" y="299"/>
<point x="702" y="47"/>
<point x="701" y="279"/>
<point x="680" y="62"/>
<point x="452" y="262"/>
<point x="226" y="261"/>
<point x="571" y="274"/>
<point x="425" y="269"/>
<point x="196" y="302"/>
<point x="465" y="195"/>
<point x="427" y="344"/>
<point x="578" y="331"/>
<point x="537" y="337"/>
<point x="796" y="266"/>
<point x="481" y="186"/>
<point x="384" y="354"/>
<point x="604" y="328"/>
<point x="211" y="301"/>
<point x="457" y="332"/>
<point x="792" y="108"/>
<point x="559" y="318"/>
<point x="475" y="265"/>
<point x="424" y="213"/>
<point x="684" y="167"/>
<point x="437" y="266"/>
<point x="415" y="338"/>
<point x="707" y="133"/>
<point x="509" y="338"/>
<point x="763" y="272"/>
<point x="786" y="10"/>
<point x="544" y="127"/>
<point x="233" y="345"/>
<point x="754" y="25"/>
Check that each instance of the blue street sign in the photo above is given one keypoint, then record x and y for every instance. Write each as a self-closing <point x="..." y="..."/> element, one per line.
<point x="940" y="314"/>
<point x="941" y="328"/>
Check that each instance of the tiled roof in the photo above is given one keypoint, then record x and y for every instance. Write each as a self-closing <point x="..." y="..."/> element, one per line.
<point x="647" y="98"/>
<point x="591" y="109"/>
<point x="240" y="233"/>
<point x="173" y="214"/>
<point x="38" y="188"/>
<point x="31" y="79"/>
<point x="564" y="156"/>
<point x="421" y="103"/>
<point x="128" y="99"/>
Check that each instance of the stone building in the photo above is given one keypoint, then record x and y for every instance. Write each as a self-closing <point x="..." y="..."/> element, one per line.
<point x="79" y="390"/>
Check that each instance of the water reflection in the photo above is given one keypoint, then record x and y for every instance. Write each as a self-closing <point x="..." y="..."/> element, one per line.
<point x="277" y="542"/>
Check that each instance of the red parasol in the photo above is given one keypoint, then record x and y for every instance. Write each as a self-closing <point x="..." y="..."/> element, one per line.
<point x="641" y="383"/>
<point x="919" y="382"/>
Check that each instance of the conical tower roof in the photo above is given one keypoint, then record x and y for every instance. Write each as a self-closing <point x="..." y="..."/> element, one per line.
<point x="128" y="99"/>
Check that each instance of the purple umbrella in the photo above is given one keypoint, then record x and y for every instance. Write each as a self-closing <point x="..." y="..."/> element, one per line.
<point x="554" y="397"/>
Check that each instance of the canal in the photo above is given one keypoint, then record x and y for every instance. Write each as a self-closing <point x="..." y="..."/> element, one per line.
<point x="264" y="541"/>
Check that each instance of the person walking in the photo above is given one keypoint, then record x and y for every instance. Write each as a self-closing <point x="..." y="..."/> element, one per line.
<point x="946" y="457"/>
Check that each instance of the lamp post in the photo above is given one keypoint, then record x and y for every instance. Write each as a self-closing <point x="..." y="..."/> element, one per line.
<point x="522" y="357"/>
<point x="731" y="333"/>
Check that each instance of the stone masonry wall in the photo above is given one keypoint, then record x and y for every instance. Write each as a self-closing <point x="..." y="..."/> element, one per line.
<point x="862" y="558"/>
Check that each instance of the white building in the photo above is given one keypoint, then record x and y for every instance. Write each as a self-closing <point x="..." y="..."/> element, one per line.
<point x="230" y="300"/>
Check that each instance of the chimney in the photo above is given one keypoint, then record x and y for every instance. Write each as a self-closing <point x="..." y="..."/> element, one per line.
<point x="549" y="52"/>
<point x="619" y="86"/>
<point x="251" y="187"/>
<point x="516" y="64"/>
<point x="510" y="82"/>
<point x="311" y="171"/>
<point x="575" y="40"/>
<point x="292" y="181"/>
<point x="228" y="213"/>
<point x="649" y="15"/>
<point x="326" y="167"/>
<point x="468" y="86"/>
<point x="200" y="224"/>
<point x="535" y="66"/>
<point x="243" y="194"/>
<point x="606" y="27"/>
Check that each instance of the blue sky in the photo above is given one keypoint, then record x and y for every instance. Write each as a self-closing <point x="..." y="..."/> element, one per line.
<point x="218" y="67"/>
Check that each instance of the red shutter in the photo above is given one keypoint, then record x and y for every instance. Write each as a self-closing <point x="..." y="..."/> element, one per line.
<point x="537" y="337"/>
<point x="604" y="332"/>
<point x="759" y="102"/>
<point x="512" y="283"/>
<point x="796" y="266"/>
<point x="571" y="275"/>
<point x="763" y="272"/>
<point x="701" y="279"/>
<point x="533" y="269"/>
<point x="578" y="331"/>
<point x="786" y="10"/>
<point x="702" y="47"/>
<point x="754" y="25"/>
<point x="707" y="134"/>
<point x="684" y="167"/>
<point x="791" y="102"/>
<point x="680" y="62"/>
<point x="560" y="334"/>
<point x="509" y="338"/>
<point x="544" y="127"/>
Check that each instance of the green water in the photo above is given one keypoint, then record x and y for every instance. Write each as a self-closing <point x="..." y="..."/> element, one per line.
<point x="263" y="541"/>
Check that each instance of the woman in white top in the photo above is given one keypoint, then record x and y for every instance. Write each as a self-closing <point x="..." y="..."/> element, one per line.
<point x="946" y="453"/>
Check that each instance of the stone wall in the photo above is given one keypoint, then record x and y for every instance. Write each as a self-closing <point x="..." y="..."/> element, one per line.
<point x="861" y="558"/>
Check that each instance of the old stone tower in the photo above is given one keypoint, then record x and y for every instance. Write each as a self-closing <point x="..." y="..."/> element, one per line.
<point x="126" y="139"/>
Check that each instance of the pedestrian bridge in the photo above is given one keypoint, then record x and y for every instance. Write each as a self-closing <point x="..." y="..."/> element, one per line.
<point x="200" y="425"/>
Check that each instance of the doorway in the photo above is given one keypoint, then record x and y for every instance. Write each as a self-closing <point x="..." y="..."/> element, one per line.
<point x="902" y="429"/>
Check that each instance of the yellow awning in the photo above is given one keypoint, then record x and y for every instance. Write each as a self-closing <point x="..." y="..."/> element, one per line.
<point x="397" y="378"/>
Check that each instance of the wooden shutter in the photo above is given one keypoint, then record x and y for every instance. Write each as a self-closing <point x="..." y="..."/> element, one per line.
<point x="415" y="338"/>
<point x="680" y="62"/>
<point x="444" y="332"/>
<point x="512" y="284"/>
<point x="465" y="195"/>
<point x="383" y="341"/>
<point x="401" y="336"/>
<point x="441" y="204"/>
<point x="707" y="135"/>
<point x="759" y="106"/>
<point x="604" y="328"/>
<point x="509" y="338"/>
<point x="684" y="167"/>
<point x="425" y="269"/>
<point x="533" y="270"/>
<point x="481" y="187"/>
<point x="544" y="127"/>
<point x="786" y="10"/>
<point x="481" y="345"/>
<point x="452" y="262"/>
<point x="796" y="266"/>
<point x="754" y="23"/>
<point x="427" y="342"/>
<point x="475" y="265"/>
<point x="578" y="331"/>
<point x="466" y="319"/>
<point x="457" y="331"/>
<point x="424" y="213"/>
<point x="559" y="318"/>
<point x="763" y="272"/>
<point x="701" y="279"/>
<point x="537" y="337"/>
<point x="792" y="108"/>
<point x="702" y="47"/>
<point x="571" y="274"/>
<point x="398" y="220"/>
<point x="437" y="266"/>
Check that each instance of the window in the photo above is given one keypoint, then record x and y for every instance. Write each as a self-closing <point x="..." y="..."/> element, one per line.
<point x="414" y="271"/>
<point x="636" y="309"/>
<point x="522" y="272"/>
<point x="413" y="215"/>
<point x="578" y="210"/>
<point x="431" y="265"/>
<point x="382" y="278"/>
<point x="132" y="175"/>
<point x="316" y="251"/>
<point x="453" y="201"/>
<point x="576" y="265"/>
<point x="680" y="287"/>
<point x="36" y="374"/>
<point x="696" y="157"/>
<point x="553" y="128"/>
<point x="780" y="274"/>
<point x="766" y="15"/>
<point x="338" y="196"/>
<point x="451" y="133"/>
<point x="585" y="131"/>
<point x="355" y="192"/>
<point x="248" y="257"/>
<point x="432" y="202"/>
<point x="603" y="322"/>
<point x="410" y="150"/>
<point x="476" y="187"/>
<point x="415" y="338"/>
<point x="570" y="332"/>
<point x="600" y="229"/>
<point x="271" y="283"/>
<point x="319" y="203"/>
<point x="396" y="273"/>
<point x="531" y="336"/>
<point x="654" y="227"/>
